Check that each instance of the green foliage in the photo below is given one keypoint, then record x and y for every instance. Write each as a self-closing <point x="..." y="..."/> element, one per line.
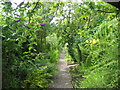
<point x="28" y="58"/>
<point x="38" y="78"/>
<point x="32" y="43"/>
<point x="97" y="35"/>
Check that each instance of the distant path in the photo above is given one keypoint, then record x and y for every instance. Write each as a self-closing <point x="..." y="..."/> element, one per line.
<point x="63" y="79"/>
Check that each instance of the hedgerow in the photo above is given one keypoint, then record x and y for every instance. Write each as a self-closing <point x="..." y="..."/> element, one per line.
<point x="34" y="33"/>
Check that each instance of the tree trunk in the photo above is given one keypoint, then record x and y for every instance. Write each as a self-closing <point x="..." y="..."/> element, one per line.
<point x="79" y="53"/>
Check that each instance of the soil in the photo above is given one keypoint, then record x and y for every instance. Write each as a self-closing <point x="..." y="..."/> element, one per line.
<point x="63" y="78"/>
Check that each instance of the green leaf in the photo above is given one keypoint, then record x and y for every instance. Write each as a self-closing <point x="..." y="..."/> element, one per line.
<point x="30" y="47"/>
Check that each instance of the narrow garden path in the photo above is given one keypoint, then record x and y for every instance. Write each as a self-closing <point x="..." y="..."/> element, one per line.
<point x="63" y="78"/>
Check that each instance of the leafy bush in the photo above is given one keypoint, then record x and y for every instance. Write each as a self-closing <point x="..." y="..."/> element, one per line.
<point x="28" y="58"/>
<point x="97" y="37"/>
<point x="38" y="78"/>
<point x="32" y="43"/>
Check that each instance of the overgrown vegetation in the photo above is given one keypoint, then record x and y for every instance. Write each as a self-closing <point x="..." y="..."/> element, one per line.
<point x="32" y="41"/>
<point x="98" y="39"/>
<point x="30" y="46"/>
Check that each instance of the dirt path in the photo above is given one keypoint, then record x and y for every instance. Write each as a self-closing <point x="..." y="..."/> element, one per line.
<point x="63" y="79"/>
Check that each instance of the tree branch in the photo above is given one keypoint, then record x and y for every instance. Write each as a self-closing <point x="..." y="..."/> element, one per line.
<point x="35" y="6"/>
<point x="33" y="10"/>
<point x="106" y="11"/>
